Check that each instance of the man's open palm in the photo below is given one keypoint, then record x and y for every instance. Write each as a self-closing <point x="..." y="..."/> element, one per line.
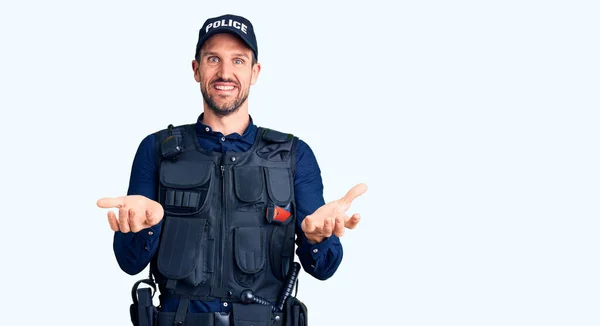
<point x="136" y="212"/>
<point x="331" y="218"/>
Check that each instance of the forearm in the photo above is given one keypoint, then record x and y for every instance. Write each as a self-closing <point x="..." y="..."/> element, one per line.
<point x="320" y="260"/>
<point x="134" y="251"/>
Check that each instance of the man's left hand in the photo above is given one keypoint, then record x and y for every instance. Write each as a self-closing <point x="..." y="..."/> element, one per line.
<point x="331" y="218"/>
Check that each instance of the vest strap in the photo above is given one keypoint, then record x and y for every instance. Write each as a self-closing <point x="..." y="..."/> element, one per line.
<point x="275" y="136"/>
<point x="182" y="309"/>
<point x="171" y="284"/>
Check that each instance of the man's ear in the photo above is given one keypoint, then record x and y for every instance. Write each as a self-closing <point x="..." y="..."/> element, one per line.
<point x="255" y="72"/>
<point x="196" y="68"/>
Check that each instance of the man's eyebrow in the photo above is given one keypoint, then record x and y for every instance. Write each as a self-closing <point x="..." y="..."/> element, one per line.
<point x="241" y="54"/>
<point x="237" y="54"/>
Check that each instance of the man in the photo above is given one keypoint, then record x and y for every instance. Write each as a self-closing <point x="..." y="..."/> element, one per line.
<point x="214" y="206"/>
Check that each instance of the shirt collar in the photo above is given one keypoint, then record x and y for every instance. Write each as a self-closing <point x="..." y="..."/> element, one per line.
<point x="248" y="136"/>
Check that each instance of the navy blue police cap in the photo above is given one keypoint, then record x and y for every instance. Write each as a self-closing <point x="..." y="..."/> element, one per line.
<point x="233" y="24"/>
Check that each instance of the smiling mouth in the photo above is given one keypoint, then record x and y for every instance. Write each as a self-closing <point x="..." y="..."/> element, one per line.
<point x="224" y="88"/>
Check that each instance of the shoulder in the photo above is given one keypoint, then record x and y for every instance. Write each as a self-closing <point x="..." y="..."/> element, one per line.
<point x="275" y="136"/>
<point x="171" y="129"/>
<point x="304" y="152"/>
<point x="148" y="145"/>
<point x="305" y="157"/>
<point x="278" y="136"/>
<point x="307" y="166"/>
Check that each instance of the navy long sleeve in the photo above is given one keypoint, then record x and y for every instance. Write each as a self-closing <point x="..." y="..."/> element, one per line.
<point x="134" y="251"/>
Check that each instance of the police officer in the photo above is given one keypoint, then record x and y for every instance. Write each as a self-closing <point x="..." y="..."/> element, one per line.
<point x="217" y="207"/>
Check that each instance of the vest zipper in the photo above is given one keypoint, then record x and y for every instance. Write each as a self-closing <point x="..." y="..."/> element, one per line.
<point x="222" y="226"/>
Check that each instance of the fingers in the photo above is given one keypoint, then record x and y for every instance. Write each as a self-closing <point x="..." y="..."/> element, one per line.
<point x="328" y="227"/>
<point x="109" y="202"/>
<point x="149" y="218"/>
<point x="124" y="220"/>
<point x="154" y="213"/>
<point x="307" y="225"/>
<point x="339" y="228"/>
<point x="353" y="221"/>
<point x="135" y="223"/>
<point x="129" y="221"/>
<point x="112" y="221"/>
<point x="354" y="192"/>
<point x="152" y="217"/>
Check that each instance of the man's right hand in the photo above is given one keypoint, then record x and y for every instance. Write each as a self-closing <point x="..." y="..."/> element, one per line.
<point x="136" y="212"/>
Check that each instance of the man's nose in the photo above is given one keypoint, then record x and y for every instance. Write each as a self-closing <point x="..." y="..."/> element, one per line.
<point x="225" y="70"/>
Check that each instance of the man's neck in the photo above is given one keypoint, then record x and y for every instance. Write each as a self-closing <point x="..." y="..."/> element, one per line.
<point x="233" y="123"/>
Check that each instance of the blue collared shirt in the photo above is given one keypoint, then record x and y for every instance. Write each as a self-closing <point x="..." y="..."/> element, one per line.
<point x="135" y="250"/>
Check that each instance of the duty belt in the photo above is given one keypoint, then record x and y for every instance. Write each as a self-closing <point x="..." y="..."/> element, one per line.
<point x="252" y="311"/>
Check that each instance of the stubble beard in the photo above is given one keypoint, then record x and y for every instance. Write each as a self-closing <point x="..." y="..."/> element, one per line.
<point x="226" y="108"/>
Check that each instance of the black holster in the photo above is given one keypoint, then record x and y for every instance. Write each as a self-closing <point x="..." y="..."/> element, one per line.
<point x="142" y="310"/>
<point x="295" y="312"/>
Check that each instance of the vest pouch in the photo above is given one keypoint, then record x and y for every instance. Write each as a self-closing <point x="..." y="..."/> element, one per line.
<point x="249" y="254"/>
<point x="249" y="188"/>
<point x="185" y="186"/>
<point x="280" y="188"/>
<point x="181" y="252"/>
<point x="279" y="185"/>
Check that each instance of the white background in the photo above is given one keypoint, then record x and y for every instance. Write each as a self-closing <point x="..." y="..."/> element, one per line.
<point x="474" y="123"/>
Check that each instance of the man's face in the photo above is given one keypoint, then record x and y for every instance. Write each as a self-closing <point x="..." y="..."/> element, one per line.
<point x="225" y="73"/>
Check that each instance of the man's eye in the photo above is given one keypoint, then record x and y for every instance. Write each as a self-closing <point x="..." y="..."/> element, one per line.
<point x="238" y="61"/>
<point x="213" y="59"/>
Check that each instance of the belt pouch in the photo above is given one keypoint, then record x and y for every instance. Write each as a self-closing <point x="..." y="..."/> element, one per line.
<point x="251" y="314"/>
<point x="191" y="319"/>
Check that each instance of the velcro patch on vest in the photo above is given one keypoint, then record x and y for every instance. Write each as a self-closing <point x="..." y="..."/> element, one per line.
<point x="278" y="214"/>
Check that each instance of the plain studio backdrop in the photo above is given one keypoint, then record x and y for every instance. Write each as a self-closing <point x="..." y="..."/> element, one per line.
<point x="474" y="124"/>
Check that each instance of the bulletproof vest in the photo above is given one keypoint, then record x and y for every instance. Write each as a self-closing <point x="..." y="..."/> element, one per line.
<point x="229" y="221"/>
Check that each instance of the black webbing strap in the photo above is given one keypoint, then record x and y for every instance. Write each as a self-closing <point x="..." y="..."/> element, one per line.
<point x="171" y="284"/>
<point x="182" y="309"/>
<point x="137" y="284"/>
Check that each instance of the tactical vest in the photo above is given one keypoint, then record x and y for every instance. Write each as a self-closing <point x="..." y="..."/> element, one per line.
<point x="229" y="220"/>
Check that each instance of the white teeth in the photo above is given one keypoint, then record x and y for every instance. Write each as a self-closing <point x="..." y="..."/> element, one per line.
<point x="224" y="88"/>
